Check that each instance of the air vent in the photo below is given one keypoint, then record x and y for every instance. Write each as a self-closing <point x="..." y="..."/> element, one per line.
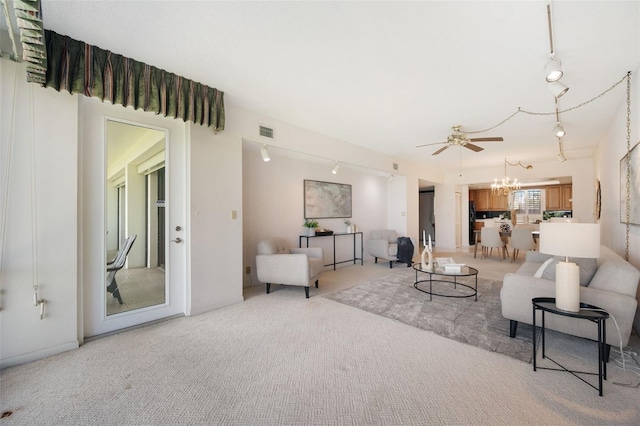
<point x="395" y="166"/>
<point x="266" y="132"/>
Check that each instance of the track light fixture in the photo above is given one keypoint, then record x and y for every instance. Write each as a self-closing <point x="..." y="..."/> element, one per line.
<point x="335" y="168"/>
<point x="558" y="89"/>
<point x="553" y="69"/>
<point x="391" y="178"/>
<point x="265" y="154"/>
<point x="561" y="157"/>
<point x="559" y="130"/>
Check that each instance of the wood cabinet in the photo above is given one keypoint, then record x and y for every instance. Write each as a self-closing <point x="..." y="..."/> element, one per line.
<point x="559" y="197"/>
<point x="486" y="202"/>
<point x="499" y="203"/>
<point x="567" y="196"/>
<point x="482" y="198"/>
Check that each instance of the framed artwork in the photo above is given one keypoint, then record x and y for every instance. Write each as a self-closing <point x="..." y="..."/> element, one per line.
<point x="326" y="200"/>
<point x="633" y="163"/>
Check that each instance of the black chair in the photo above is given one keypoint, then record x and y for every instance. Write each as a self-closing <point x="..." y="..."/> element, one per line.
<point x="115" y="265"/>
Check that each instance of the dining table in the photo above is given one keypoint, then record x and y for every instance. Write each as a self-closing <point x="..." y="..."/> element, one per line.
<point x="503" y="235"/>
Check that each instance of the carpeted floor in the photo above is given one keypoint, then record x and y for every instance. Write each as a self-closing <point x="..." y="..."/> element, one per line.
<point x="478" y="323"/>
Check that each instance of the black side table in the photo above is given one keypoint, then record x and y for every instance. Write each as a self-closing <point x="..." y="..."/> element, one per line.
<point x="586" y="312"/>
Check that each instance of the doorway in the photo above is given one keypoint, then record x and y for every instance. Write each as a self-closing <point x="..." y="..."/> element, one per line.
<point x="138" y="191"/>
<point x="427" y="218"/>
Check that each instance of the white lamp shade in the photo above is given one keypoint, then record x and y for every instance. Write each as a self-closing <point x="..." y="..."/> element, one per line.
<point x="553" y="70"/>
<point x="570" y="239"/>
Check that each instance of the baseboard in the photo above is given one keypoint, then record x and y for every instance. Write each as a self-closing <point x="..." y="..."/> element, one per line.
<point x="36" y="355"/>
<point x="202" y="309"/>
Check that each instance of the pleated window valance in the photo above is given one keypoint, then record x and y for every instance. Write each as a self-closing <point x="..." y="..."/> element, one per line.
<point x="78" y="67"/>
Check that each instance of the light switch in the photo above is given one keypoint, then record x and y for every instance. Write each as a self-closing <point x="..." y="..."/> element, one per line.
<point x="234" y="214"/>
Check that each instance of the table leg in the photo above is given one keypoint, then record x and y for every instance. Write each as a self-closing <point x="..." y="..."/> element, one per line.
<point x="534" y="337"/>
<point x="334" y="252"/>
<point x="600" y="356"/>
<point x="542" y="331"/>
<point x="475" y="248"/>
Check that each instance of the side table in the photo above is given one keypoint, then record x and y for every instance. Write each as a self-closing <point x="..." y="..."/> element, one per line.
<point x="586" y="312"/>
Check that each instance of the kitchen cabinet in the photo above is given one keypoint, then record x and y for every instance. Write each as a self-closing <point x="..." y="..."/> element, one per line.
<point x="559" y="197"/>
<point x="486" y="202"/>
<point x="482" y="198"/>
<point x="567" y="195"/>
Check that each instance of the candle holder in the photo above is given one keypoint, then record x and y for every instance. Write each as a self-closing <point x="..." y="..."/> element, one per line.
<point x="428" y="267"/>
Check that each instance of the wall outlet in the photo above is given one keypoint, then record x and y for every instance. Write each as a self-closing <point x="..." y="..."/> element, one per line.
<point x="247" y="269"/>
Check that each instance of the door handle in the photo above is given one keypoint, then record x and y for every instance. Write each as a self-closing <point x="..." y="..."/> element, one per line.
<point x="177" y="240"/>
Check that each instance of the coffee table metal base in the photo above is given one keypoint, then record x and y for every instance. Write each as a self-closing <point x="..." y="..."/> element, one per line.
<point x="468" y="272"/>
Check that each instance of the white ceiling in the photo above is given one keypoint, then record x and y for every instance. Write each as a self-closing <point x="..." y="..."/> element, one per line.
<point x="387" y="75"/>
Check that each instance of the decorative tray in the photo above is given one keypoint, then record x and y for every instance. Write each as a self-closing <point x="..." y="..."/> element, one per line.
<point x="322" y="232"/>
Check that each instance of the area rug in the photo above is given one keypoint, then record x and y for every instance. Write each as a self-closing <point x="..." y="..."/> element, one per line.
<point x="478" y="323"/>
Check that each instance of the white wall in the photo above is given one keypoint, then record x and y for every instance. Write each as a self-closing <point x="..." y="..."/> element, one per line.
<point x="215" y="252"/>
<point x="610" y="151"/>
<point x="24" y="337"/>
<point x="273" y="202"/>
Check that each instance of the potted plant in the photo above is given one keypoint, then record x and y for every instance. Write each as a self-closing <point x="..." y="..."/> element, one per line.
<point x="310" y="226"/>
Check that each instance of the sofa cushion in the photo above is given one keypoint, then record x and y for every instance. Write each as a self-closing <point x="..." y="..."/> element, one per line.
<point x="542" y="268"/>
<point x="587" y="267"/>
<point x="615" y="274"/>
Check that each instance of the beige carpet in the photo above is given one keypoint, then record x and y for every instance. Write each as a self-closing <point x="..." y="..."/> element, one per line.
<point x="283" y="359"/>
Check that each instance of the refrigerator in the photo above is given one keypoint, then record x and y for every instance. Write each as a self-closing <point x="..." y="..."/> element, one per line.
<point x="472" y="222"/>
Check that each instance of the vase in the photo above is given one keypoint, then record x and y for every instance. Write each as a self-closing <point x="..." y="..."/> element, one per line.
<point x="349" y="229"/>
<point x="312" y="232"/>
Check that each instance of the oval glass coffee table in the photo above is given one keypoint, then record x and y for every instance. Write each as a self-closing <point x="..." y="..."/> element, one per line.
<point x="438" y="276"/>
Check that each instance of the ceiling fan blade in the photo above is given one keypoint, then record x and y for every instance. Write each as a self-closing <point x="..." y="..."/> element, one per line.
<point x="473" y="147"/>
<point x="441" y="149"/>
<point x="429" y="144"/>
<point x="497" y="139"/>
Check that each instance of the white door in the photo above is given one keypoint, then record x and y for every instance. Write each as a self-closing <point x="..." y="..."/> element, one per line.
<point x="146" y="155"/>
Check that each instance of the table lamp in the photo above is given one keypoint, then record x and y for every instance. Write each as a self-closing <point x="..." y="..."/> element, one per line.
<point x="569" y="240"/>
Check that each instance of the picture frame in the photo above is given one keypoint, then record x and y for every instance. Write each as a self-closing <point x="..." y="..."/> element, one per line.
<point x="598" y="199"/>
<point x="633" y="162"/>
<point x="323" y="200"/>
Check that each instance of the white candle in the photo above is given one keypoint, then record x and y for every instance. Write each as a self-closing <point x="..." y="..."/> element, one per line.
<point x="424" y="238"/>
<point x="429" y="242"/>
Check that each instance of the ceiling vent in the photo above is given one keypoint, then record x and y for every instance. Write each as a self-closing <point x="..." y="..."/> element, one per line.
<point x="266" y="132"/>
<point x="395" y="166"/>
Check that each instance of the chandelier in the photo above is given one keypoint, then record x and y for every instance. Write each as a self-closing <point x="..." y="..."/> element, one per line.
<point x="507" y="185"/>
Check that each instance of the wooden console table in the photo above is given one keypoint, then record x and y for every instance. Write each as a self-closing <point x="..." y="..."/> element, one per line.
<point x="341" y="234"/>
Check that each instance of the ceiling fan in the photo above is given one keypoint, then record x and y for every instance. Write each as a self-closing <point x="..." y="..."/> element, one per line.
<point x="460" y="139"/>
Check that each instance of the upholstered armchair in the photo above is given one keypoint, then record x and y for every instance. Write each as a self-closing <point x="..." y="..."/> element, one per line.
<point x="276" y="263"/>
<point x="383" y="244"/>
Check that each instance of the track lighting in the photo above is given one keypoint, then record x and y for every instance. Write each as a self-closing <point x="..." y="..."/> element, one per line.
<point x="558" y="89"/>
<point x="265" y="154"/>
<point x="561" y="157"/>
<point x="553" y="69"/>
<point x="391" y="178"/>
<point x="559" y="130"/>
<point x="335" y="168"/>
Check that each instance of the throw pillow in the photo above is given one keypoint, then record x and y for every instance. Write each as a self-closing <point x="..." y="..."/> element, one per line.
<point x="587" y="267"/>
<point x="542" y="267"/>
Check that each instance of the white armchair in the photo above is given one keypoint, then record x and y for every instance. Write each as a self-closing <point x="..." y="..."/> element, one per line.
<point x="383" y="244"/>
<point x="276" y="263"/>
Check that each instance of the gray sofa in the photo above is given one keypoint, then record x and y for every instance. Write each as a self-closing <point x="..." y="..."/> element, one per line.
<point x="613" y="288"/>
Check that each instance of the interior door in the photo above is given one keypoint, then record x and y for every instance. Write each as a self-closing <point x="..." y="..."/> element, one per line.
<point x="131" y="155"/>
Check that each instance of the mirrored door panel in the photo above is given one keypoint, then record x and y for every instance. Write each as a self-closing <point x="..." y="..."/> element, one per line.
<point x="135" y="210"/>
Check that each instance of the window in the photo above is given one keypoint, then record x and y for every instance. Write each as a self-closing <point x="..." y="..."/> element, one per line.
<point x="527" y="202"/>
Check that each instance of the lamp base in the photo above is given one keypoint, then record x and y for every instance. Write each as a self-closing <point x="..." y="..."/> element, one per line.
<point x="568" y="286"/>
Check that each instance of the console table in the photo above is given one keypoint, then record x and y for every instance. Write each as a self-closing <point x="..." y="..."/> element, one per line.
<point x="341" y="234"/>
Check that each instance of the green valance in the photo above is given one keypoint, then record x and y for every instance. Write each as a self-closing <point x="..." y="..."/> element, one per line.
<point x="78" y="67"/>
